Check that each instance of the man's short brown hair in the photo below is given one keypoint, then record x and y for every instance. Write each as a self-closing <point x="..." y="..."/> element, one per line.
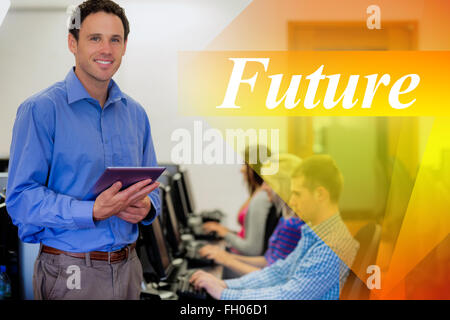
<point x="94" y="6"/>
<point x="321" y="171"/>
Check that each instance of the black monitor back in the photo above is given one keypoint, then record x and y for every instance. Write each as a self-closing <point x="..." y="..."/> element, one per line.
<point x="187" y="186"/>
<point x="179" y="203"/>
<point x="171" y="225"/>
<point x="177" y="184"/>
<point x="153" y="252"/>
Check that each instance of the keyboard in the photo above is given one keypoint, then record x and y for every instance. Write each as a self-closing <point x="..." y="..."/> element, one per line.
<point x="185" y="290"/>
<point x="196" y="229"/>
<point x="214" y="215"/>
<point x="194" y="259"/>
<point x="200" y="234"/>
<point x="199" y="262"/>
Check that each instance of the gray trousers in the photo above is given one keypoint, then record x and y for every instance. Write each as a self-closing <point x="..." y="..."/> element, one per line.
<point x="60" y="277"/>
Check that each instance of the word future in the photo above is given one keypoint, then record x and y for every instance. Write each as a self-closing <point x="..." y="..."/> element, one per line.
<point x="314" y="78"/>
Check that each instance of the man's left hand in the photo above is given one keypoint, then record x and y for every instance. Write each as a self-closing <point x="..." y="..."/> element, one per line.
<point x="137" y="211"/>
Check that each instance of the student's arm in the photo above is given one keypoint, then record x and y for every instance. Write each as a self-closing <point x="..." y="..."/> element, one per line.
<point x="240" y="264"/>
<point x="267" y="277"/>
<point x="255" y="222"/>
<point x="315" y="276"/>
<point x="241" y="268"/>
<point x="258" y="262"/>
<point x="228" y="260"/>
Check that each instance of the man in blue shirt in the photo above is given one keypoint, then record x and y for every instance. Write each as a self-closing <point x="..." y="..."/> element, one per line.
<point x="319" y="265"/>
<point x="63" y="139"/>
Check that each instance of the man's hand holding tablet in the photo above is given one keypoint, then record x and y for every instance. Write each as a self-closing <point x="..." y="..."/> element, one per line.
<point x="131" y="204"/>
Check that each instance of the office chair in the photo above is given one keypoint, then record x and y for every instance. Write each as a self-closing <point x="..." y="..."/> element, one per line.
<point x="369" y="239"/>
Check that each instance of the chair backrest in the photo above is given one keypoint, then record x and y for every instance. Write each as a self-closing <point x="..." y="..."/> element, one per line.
<point x="271" y="223"/>
<point x="369" y="238"/>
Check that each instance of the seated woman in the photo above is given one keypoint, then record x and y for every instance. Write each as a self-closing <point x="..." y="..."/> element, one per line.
<point x="252" y="215"/>
<point x="285" y="236"/>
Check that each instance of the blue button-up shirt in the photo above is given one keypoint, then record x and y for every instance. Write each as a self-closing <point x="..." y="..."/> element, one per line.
<point x="62" y="142"/>
<point x="315" y="270"/>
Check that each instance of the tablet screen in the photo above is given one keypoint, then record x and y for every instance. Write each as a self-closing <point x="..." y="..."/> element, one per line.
<point x="127" y="175"/>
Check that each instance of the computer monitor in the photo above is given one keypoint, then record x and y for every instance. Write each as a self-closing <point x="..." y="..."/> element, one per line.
<point x="4" y="163"/>
<point x="187" y="186"/>
<point x="177" y="184"/>
<point x="171" y="168"/>
<point x="20" y="256"/>
<point x="178" y="202"/>
<point x="164" y="179"/>
<point x="156" y="249"/>
<point x="3" y="182"/>
<point x="171" y="226"/>
<point x="160" y="241"/>
<point x="5" y="221"/>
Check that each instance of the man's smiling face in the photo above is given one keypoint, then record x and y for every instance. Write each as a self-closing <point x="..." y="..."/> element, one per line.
<point x="100" y="46"/>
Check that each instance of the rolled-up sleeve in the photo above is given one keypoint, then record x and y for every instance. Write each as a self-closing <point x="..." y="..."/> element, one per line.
<point x="315" y="275"/>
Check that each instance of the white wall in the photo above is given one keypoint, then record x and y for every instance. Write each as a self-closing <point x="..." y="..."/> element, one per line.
<point x="34" y="55"/>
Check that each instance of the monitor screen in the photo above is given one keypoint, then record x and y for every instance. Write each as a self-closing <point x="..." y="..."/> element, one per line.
<point x="159" y="237"/>
<point x="164" y="179"/>
<point x="161" y="203"/>
<point x="4" y="163"/>
<point x="177" y="201"/>
<point x="178" y="186"/>
<point x="153" y="251"/>
<point x="171" y="224"/>
<point x="187" y="186"/>
<point x="171" y="168"/>
<point x="3" y="181"/>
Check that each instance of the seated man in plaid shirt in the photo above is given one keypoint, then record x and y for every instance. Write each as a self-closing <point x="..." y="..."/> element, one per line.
<point x="319" y="265"/>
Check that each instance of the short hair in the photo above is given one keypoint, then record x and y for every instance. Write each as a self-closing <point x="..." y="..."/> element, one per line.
<point x="321" y="171"/>
<point x="94" y="6"/>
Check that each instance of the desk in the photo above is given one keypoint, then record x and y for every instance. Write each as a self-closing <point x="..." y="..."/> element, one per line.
<point x="216" y="270"/>
<point x="165" y="290"/>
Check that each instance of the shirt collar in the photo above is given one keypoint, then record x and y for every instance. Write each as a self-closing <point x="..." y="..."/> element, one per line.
<point x="76" y="90"/>
<point x="323" y="228"/>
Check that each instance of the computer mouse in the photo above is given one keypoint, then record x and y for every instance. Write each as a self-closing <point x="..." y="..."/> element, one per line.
<point x="187" y="237"/>
<point x="166" y="295"/>
<point x="177" y="262"/>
